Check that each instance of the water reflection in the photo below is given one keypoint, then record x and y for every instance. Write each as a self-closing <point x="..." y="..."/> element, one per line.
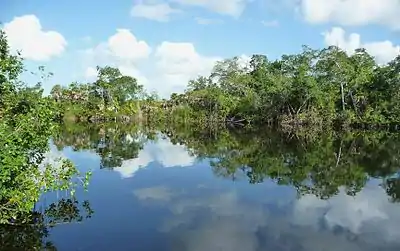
<point x="178" y="189"/>
<point x="34" y="235"/>
<point x="161" y="151"/>
<point x="228" y="220"/>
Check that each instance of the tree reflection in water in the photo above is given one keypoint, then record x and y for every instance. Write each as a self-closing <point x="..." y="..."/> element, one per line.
<point x="34" y="234"/>
<point x="316" y="163"/>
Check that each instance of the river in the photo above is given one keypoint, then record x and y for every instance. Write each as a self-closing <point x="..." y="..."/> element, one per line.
<point x="223" y="190"/>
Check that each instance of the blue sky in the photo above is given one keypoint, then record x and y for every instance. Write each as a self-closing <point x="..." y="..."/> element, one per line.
<point x="164" y="43"/>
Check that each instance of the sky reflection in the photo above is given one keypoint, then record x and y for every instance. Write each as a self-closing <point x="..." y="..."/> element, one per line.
<point x="175" y="208"/>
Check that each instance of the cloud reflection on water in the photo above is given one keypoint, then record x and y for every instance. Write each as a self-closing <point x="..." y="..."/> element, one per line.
<point x="226" y="220"/>
<point x="162" y="151"/>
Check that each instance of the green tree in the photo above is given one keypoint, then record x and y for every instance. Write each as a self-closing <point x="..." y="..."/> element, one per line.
<point x="27" y="120"/>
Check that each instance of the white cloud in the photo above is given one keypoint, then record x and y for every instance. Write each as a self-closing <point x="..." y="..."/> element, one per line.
<point x="122" y="47"/>
<point x="207" y="21"/>
<point x="125" y="46"/>
<point x="162" y="151"/>
<point x="167" y="70"/>
<point x="177" y="63"/>
<point x="122" y="50"/>
<point x="216" y="220"/>
<point x="226" y="7"/>
<point x="383" y="51"/>
<point x="172" y="56"/>
<point x="232" y="225"/>
<point x="352" y="12"/>
<point x="26" y="34"/>
<point x="160" y="12"/>
<point x="90" y="73"/>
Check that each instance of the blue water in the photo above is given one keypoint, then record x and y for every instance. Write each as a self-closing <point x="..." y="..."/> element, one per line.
<point x="166" y="199"/>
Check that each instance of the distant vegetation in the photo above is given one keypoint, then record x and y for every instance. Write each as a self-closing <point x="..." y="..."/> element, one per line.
<point x="313" y="88"/>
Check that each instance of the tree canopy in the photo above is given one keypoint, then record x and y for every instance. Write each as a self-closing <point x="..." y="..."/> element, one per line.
<point x="314" y="87"/>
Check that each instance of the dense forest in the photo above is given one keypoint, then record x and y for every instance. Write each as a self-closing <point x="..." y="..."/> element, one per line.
<point x="313" y="88"/>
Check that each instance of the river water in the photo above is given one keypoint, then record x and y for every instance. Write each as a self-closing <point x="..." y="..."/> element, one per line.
<point x="227" y="191"/>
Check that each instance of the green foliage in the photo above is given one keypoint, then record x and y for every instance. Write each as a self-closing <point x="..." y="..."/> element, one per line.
<point x="313" y="87"/>
<point x="34" y="234"/>
<point x="110" y="95"/>
<point x="27" y="120"/>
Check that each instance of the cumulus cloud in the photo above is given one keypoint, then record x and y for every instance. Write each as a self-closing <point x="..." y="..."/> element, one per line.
<point x="177" y="63"/>
<point x="122" y="50"/>
<point x="122" y="47"/>
<point x="160" y="12"/>
<point x="26" y="34"/>
<point x="125" y="46"/>
<point x="162" y="151"/>
<point x="352" y="12"/>
<point x="383" y="51"/>
<point x="233" y="8"/>
<point x="167" y="70"/>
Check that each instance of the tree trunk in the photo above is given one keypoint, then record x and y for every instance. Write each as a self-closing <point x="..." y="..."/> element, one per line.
<point x="342" y="93"/>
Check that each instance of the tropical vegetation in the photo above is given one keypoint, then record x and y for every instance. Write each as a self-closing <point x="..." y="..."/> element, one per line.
<point x="314" y="88"/>
<point x="27" y="121"/>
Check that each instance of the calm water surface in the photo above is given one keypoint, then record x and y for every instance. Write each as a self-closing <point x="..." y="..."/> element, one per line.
<point x="166" y="196"/>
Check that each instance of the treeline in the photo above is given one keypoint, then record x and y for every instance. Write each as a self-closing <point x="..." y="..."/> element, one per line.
<point x="112" y="96"/>
<point x="314" y="87"/>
